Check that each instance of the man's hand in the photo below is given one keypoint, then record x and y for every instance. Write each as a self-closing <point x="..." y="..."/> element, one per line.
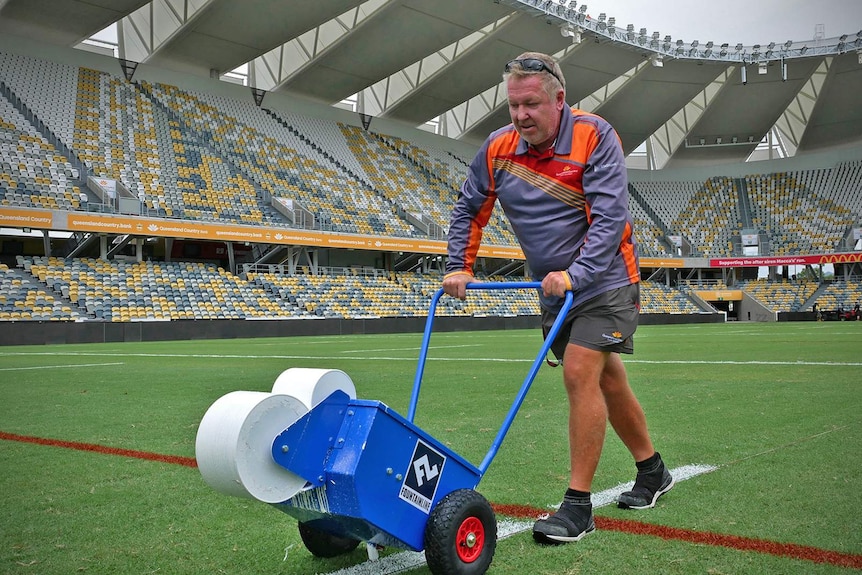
<point x="455" y="284"/>
<point x="556" y="284"/>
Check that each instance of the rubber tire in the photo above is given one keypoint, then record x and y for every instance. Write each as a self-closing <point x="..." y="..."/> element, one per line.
<point x="443" y="534"/>
<point x="324" y="544"/>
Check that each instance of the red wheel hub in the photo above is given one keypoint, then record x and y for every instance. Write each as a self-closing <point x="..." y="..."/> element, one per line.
<point x="470" y="539"/>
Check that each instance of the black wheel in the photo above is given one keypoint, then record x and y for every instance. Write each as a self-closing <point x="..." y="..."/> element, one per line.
<point x="461" y="534"/>
<point x="324" y="544"/>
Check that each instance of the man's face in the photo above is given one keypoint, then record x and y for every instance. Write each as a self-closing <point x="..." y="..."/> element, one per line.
<point x="534" y="113"/>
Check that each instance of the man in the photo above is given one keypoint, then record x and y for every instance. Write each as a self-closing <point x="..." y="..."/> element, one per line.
<point x="559" y="174"/>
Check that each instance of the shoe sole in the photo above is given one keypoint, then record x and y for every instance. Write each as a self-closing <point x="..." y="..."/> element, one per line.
<point x="655" y="497"/>
<point x="559" y="539"/>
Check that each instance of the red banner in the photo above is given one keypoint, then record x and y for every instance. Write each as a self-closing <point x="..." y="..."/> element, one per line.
<point x="811" y="259"/>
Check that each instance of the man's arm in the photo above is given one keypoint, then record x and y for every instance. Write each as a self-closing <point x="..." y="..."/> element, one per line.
<point x="469" y="216"/>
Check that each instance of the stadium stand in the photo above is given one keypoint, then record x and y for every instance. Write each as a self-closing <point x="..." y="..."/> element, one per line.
<point x="120" y="291"/>
<point x="200" y="156"/>
<point x="841" y="295"/>
<point x="33" y="173"/>
<point x="793" y="209"/>
<point x="658" y="298"/>
<point x="780" y="295"/>
<point x="21" y="298"/>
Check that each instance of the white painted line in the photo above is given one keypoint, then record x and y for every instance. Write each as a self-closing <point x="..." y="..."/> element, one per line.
<point x="406" y="560"/>
<point x="58" y="366"/>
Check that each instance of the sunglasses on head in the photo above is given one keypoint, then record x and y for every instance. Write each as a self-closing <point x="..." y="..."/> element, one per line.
<point x="533" y="65"/>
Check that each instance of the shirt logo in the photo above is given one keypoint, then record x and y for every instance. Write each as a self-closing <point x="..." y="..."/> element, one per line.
<point x="567" y="171"/>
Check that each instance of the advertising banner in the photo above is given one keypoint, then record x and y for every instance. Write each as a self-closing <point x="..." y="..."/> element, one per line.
<point x="23" y="218"/>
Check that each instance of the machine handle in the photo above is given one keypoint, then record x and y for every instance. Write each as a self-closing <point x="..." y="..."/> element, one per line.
<point x="531" y="375"/>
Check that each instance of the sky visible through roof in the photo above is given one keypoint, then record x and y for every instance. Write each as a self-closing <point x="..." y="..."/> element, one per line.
<point x="735" y="21"/>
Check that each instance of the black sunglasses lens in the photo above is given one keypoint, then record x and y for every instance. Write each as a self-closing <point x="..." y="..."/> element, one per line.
<point x="534" y="65"/>
<point x="530" y="64"/>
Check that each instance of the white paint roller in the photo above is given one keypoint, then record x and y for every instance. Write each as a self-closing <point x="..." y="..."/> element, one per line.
<point x="311" y="386"/>
<point x="233" y="447"/>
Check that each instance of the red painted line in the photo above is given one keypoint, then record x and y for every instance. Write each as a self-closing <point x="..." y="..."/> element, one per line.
<point x="94" y="448"/>
<point x="789" y="550"/>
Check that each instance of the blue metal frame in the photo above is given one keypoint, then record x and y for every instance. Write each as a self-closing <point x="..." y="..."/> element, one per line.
<point x="528" y="381"/>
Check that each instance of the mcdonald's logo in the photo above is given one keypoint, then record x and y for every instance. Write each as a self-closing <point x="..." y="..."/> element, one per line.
<point x="841" y="258"/>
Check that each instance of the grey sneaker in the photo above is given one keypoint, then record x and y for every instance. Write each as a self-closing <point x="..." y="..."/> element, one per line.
<point x="572" y="522"/>
<point x="650" y="484"/>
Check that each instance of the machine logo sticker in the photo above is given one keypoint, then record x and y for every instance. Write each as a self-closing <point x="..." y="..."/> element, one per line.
<point x="422" y="477"/>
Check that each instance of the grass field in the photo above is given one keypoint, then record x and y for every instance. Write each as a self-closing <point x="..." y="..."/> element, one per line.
<point x="775" y="408"/>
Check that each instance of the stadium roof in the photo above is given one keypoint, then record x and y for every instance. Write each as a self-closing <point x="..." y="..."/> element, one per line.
<point x="417" y="61"/>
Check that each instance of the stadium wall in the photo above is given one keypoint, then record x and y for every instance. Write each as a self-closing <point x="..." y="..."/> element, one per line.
<point x="47" y="333"/>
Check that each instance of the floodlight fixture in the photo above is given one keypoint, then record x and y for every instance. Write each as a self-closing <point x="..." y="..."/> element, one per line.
<point x="723" y="51"/>
<point x="771" y="45"/>
<point x="603" y="17"/>
<point x="788" y="44"/>
<point x="573" y="32"/>
<point x="738" y="47"/>
<point x="803" y="50"/>
<point x="572" y="4"/>
<point x="695" y="43"/>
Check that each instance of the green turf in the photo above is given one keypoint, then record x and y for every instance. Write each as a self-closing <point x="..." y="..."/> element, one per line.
<point x="776" y="407"/>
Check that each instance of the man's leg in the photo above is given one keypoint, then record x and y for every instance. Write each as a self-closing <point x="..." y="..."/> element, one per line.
<point x="588" y="412"/>
<point x="624" y="411"/>
<point x="629" y="422"/>
<point x="588" y="415"/>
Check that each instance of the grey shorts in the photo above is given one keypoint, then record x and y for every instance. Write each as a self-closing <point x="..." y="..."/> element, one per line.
<point x="606" y="322"/>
